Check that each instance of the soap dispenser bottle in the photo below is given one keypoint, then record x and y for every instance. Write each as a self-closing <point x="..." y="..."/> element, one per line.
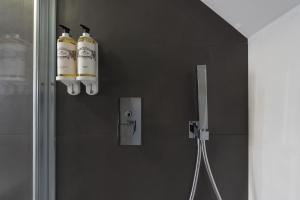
<point x="66" y="62"/>
<point x="66" y="54"/>
<point x="87" y="58"/>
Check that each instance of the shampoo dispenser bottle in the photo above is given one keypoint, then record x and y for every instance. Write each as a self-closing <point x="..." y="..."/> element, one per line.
<point x="66" y="62"/>
<point x="87" y="57"/>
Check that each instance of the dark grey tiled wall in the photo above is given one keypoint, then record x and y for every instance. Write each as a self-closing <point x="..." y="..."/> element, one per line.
<point x="151" y="49"/>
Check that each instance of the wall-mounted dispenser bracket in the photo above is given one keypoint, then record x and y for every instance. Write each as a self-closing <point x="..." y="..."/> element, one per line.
<point x="91" y="83"/>
<point x="73" y="86"/>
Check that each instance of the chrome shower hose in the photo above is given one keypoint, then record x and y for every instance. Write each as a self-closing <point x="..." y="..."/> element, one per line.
<point x="201" y="149"/>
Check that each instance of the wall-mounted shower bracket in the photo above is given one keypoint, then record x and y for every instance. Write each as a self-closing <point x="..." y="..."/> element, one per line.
<point x="73" y="86"/>
<point x="196" y="132"/>
<point x="193" y="129"/>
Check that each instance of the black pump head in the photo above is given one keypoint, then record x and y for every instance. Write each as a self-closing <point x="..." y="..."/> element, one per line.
<point x="66" y="29"/>
<point x="85" y="28"/>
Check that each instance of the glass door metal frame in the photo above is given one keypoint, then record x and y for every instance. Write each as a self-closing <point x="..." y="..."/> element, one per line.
<point x="44" y="69"/>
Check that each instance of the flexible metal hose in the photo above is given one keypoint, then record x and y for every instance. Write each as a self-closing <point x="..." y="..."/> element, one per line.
<point x="210" y="175"/>
<point x="201" y="149"/>
<point x="195" y="181"/>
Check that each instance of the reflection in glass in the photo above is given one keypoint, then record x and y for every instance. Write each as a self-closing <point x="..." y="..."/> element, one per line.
<point x="16" y="36"/>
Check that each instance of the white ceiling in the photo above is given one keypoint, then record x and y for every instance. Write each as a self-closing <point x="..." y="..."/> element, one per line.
<point x="249" y="16"/>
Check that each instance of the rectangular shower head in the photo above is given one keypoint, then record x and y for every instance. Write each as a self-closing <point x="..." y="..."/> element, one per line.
<point x="202" y="97"/>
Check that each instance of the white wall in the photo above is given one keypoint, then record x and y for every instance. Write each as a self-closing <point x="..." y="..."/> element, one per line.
<point x="249" y="16"/>
<point x="274" y="106"/>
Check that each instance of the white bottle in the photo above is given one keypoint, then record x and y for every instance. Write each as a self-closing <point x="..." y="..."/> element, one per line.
<point x="87" y="56"/>
<point x="66" y="55"/>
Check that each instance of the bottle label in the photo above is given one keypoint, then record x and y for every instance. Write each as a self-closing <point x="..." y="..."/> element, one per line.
<point x="66" y="59"/>
<point x="86" y="59"/>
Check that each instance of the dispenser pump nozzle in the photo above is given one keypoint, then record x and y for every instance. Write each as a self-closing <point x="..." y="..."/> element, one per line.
<point x="85" y="28"/>
<point x="66" y="29"/>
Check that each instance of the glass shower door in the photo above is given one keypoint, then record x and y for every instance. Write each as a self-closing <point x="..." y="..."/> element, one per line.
<point x="27" y="99"/>
<point x="16" y="99"/>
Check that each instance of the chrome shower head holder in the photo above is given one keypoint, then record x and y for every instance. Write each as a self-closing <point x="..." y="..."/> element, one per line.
<point x="196" y="132"/>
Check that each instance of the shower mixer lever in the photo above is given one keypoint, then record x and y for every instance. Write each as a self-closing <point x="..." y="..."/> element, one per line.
<point x="131" y="123"/>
